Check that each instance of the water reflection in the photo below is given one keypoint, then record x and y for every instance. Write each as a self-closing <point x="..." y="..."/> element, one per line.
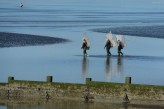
<point x="70" y="104"/>
<point x="2" y="106"/>
<point x="108" y="68"/>
<point x="115" y="69"/>
<point x="120" y="69"/>
<point x="55" y="103"/>
<point x="85" y="65"/>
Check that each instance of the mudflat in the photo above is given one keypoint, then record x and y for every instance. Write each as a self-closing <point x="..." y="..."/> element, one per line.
<point x="17" y="40"/>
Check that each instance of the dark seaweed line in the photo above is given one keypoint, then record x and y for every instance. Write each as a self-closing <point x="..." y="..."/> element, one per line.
<point x="16" y="40"/>
<point x="142" y="31"/>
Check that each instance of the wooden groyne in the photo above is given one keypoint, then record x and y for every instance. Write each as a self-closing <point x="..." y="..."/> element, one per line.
<point x="90" y="91"/>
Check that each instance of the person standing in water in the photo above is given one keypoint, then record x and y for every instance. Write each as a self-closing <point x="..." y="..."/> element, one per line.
<point x="120" y="46"/>
<point x="108" y="45"/>
<point x="84" y="47"/>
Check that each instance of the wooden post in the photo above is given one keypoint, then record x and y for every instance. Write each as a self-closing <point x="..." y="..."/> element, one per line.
<point x="49" y="79"/>
<point x="10" y="79"/>
<point x="127" y="80"/>
<point x="88" y="80"/>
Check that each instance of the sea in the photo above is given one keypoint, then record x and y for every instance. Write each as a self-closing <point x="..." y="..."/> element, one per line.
<point x="143" y="58"/>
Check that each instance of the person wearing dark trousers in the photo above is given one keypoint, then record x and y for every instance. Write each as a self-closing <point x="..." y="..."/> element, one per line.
<point x="84" y="47"/>
<point x="108" y="45"/>
<point x="120" y="46"/>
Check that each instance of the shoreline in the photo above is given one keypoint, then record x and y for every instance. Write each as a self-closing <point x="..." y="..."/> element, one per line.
<point x="19" y="40"/>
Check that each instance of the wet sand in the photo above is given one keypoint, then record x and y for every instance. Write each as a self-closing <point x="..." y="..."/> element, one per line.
<point x="141" y="31"/>
<point x="17" y="40"/>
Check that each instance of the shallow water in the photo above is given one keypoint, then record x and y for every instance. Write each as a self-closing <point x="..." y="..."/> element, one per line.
<point x="73" y="104"/>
